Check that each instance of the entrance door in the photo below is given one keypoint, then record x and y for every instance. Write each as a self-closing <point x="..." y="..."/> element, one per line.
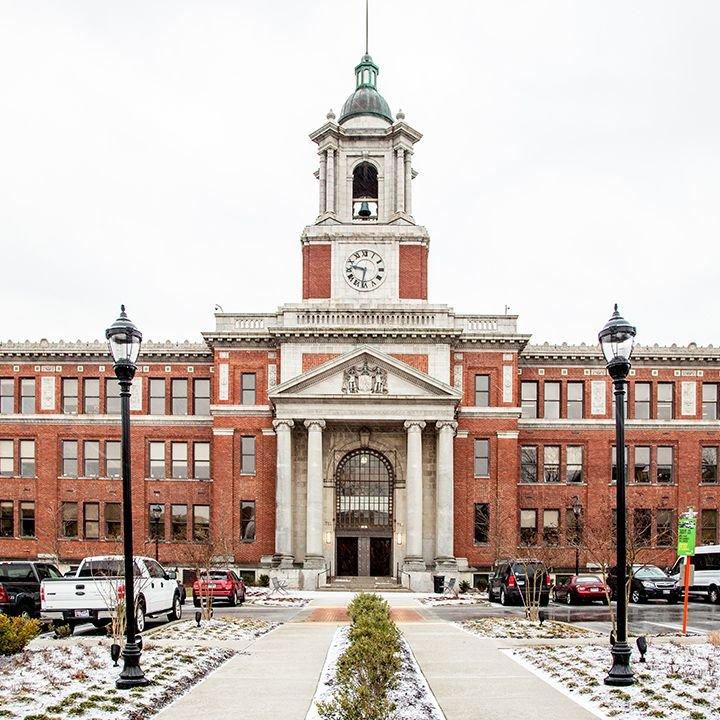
<point x="347" y="556"/>
<point x="380" y="556"/>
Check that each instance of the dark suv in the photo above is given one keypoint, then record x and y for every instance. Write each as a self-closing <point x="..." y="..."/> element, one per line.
<point x="20" y="586"/>
<point x="649" y="582"/>
<point x="509" y="580"/>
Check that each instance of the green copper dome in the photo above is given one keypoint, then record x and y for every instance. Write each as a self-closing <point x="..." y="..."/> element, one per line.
<point x="366" y="100"/>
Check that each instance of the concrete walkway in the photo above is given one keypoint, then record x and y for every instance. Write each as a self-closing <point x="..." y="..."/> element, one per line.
<point x="473" y="680"/>
<point x="276" y="679"/>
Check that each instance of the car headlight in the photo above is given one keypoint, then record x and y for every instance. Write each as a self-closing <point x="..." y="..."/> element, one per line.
<point x="648" y="584"/>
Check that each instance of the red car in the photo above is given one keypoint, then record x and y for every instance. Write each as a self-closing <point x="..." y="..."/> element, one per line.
<point x="579" y="589"/>
<point x="220" y="585"/>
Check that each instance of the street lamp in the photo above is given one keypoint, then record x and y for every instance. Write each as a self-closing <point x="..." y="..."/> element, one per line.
<point x="155" y="513"/>
<point x="124" y="341"/>
<point x="577" y="512"/>
<point x="616" y="340"/>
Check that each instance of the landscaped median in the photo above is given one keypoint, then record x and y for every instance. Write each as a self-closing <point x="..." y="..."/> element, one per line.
<point x="517" y="628"/>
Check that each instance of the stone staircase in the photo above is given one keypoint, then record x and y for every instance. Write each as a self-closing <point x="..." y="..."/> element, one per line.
<point x="363" y="584"/>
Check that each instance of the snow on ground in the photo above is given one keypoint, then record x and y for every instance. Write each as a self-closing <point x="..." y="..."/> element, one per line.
<point x="71" y="681"/>
<point x="278" y="601"/>
<point x="224" y="628"/>
<point x="451" y="600"/>
<point x="678" y="681"/>
<point x="412" y="697"/>
<point x="522" y="629"/>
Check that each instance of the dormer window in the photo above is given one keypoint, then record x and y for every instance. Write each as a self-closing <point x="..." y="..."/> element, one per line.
<point x="365" y="192"/>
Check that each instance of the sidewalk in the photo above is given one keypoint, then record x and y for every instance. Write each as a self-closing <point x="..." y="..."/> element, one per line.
<point x="472" y="679"/>
<point x="277" y="679"/>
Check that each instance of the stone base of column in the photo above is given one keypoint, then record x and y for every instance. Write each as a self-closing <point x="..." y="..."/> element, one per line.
<point x="414" y="564"/>
<point x="283" y="561"/>
<point x="446" y="565"/>
<point x="314" y="562"/>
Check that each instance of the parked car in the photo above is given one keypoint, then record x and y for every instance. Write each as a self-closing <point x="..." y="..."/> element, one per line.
<point x="649" y="582"/>
<point x="220" y="585"/>
<point x="706" y="573"/>
<point x="579" y="589"/>
<point x="98" y="586"/>
<point x="20" y="586"/>
<point x="508" y="582"/>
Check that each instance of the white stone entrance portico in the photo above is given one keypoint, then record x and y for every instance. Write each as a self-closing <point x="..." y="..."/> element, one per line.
<point x="364" y="399"/>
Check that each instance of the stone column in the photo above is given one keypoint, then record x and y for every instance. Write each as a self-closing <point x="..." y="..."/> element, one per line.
<point x="323" y="180"/>
<point x="444" y="529"/>
<point x="283" y="493"/>
<point x="400" y="180"/>
<point x="408" y="183"/>
<point x="414" y="493"/>
<point x="330" y="198"/>
<point x="314" y="541"/>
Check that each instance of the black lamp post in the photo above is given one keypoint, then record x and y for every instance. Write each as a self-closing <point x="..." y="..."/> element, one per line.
<point x="124" y="341"/>
<point x="155" y="513"/>
<point x="577" y="512"/>
<point x="616" y="340"/>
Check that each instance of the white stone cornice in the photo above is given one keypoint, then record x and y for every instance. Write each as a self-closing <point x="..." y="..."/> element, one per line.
<point x="507" y="434"/>
<point x="314" y="423"/>
<point x="490" y="412"/>
<point x="600" y="424"/>
<point x="224" y="431"/>
<point x="240" y="410"/>
<point x="144" y="420"/>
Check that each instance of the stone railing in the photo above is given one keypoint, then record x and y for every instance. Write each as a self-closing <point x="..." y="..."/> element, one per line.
<point x="367" y="318"/>
<point x="242" y="323"/>
<point x="490" y="324"/>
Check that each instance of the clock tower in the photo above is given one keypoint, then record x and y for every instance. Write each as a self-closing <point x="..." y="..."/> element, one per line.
<point x="364" y="247"/>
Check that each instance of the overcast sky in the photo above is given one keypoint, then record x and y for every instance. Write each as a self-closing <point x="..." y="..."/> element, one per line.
<point x="156" y="153"/>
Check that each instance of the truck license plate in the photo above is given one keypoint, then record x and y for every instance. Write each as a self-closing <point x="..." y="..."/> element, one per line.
<point x="82" y="613"/>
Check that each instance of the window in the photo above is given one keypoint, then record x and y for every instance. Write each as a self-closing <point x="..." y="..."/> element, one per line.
<point x="642" y="400"/>
<point x="708" y="473"/>
<point x="156" y="526"/>
<point x="482" y="523"/>
<point x="247" y="455"/>
<point x="27" y="519"/>
<point x="157" y="460"/>
<point x="664" y="465"/>
<point x="529" y="399"/>
<point x="642" y="527"/>
<point x="614" y="475"/>
<point x="91" y="521"/>
<point x="201" y="461"/>
<point x="7" y="458"/>
<point x="708" y="527"/>
<point x="664" y="522"/>
<point x="27" y="396"/>
<point x="70" y="395"/>
<point x="27" y="458"/>
<point x="69" y="520"/>
<point x="551" y="527"/>
<point x="710" y="404"/>
<point x="642" y="464"/>
<point x="247" y="520"/>
<point x="575" y="393"/>
<point x="7" y="519"/>
<point x="247" y="389"/>
<point x="157" y="397"/>
<point x="573" y="527"/>
<point x="482" y="458"/>
<point x="551" y="405"/>
<point x="551" y="463"/>
<point x="112" y="459"/>
<point x="201" y="397"/>
<point x="665" y="409"/>
<point x="179" y="453"/>
<point x="112" y="520"/>
<point x="112" y="396"/>
<point x="69" y="458"/>
<point x="201" y="523"/>
<point x="178" y="522"/>
<point x="179" y="396"/>
<point x="574" y="464"/>
<point x="7" y="396"/>
<point x="91" y="396"/>
<point x="528" y="464"/>
<point x="482" y="391"/>
<point x="528" y="527"/>
<point x="91" y="458"/>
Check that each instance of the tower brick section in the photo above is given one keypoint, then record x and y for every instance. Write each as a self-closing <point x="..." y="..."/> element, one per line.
<point x="316" y="271"/>
<point x="413" y="272"/>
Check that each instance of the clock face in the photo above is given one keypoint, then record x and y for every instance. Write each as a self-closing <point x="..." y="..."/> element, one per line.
<point x="364" y="270"/>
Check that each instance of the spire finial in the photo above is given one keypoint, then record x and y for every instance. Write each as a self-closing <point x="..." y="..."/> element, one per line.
<point x="367" y="25"/>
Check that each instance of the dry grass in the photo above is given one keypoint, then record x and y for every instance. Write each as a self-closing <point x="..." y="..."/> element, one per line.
<point x="714" y="638"/>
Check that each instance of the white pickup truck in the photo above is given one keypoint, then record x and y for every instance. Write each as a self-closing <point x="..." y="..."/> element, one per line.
<point x="98" y="587"/>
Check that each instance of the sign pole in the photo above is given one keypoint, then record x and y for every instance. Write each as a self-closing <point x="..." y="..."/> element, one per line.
<point x="687" y="594"/>
<point x="686" y="549"/>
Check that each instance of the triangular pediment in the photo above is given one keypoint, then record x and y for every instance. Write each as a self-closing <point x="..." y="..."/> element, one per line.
<point x="364" y="373"/>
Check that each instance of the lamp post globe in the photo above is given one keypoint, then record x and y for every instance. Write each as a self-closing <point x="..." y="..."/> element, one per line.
<point x="155" y="514"/>
<point x="616" y="341"/>
<point x="124" y="340"/>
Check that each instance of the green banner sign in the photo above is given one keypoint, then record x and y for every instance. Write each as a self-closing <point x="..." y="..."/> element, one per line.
<point x="686" y="534"/>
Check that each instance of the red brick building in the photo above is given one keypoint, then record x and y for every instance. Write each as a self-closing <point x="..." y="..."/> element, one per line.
<point x="362" y="431"/>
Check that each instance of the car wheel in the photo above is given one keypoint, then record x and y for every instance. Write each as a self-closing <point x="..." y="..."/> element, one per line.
<point x="636" y="596"/>
<point x="104" y="622"/>
<point x="241" y="599"/>
<point x="140" y="617"/>
<point x="176" y="613"/>
<point x="491" y="597"/>
<point x="554" y="596"/>
<point x="714" y="595"/>
<point x="196" y="601"/>
<point x="568" y="598"/>
<point x="26" y="611"/>
<point x="503" y="597"/>
<point x="232" y="600"/>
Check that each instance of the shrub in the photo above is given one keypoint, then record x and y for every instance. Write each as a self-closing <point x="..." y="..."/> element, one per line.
<point x="368" y="669"/>
<point x="464" y="586"/>
<point x="16" y="633"/>
<point x="264" y="581"/>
